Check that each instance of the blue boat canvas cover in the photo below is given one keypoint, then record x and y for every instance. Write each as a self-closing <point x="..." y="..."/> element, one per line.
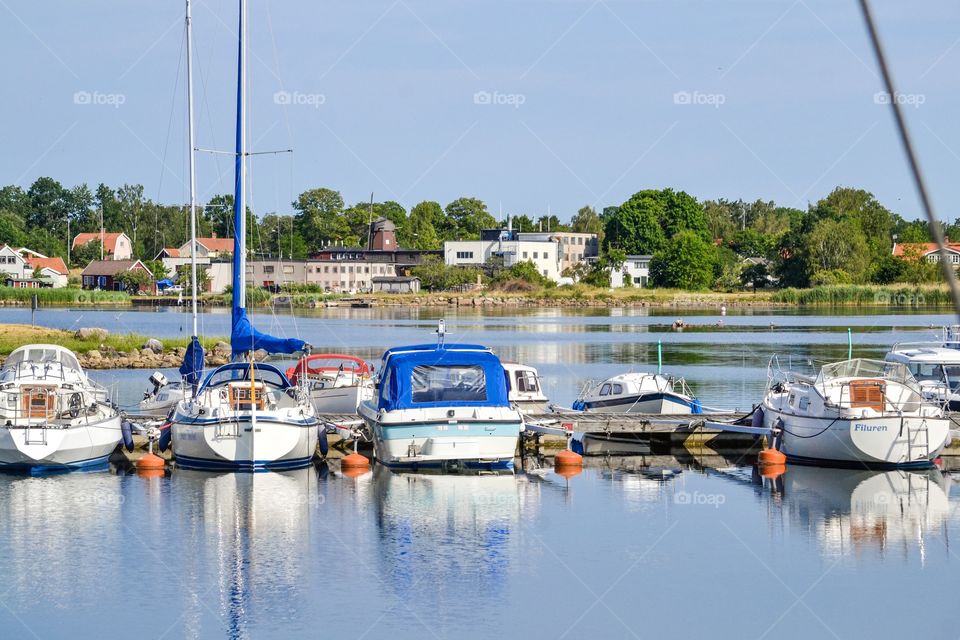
<point x="453" y="375"/>
<point x="245" y="337"/>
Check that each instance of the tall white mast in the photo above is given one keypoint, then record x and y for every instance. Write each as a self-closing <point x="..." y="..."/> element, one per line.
<point x="193" y="171"/>
<point x="240" y="262"/>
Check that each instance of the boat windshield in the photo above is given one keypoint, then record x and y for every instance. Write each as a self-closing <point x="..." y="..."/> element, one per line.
<point x="861" y="368"/>
<point x="935" y="372"/>
<point x="241" y="372"/>
<point x="448" y="383"/>
<point x="43" y="354"/>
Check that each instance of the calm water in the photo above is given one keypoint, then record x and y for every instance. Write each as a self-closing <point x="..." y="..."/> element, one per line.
<point x="692" y="546"/>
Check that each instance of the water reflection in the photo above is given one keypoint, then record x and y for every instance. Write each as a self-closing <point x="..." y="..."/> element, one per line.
<point x="251" y="530"/>
<point x="460" y="531"/>
<point x="891" y="513"/>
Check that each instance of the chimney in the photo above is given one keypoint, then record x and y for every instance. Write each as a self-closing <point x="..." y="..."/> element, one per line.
<point x="213" y="234"/>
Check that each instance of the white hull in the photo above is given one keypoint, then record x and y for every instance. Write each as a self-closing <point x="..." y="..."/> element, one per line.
<point x="887" y="440"/>
<point x="340" y="399"/>
<point x="242" y="443"/>
<point x="412" y="437"/>
<point x="651" y="404"/>
<point x="73" y="446"/>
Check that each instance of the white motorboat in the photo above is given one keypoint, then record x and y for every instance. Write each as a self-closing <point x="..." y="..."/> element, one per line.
<point x="442" y="404"/>
<point x="336" y="383"/>
<point x="248" y="417"/>
<point x="639" y="393"/>
<point x="52" y="416"/>
<point x="935" y="365"/>
<point x="855" y="412"/>
<point x="164" y="396"/>
<point x="524" y="389"/>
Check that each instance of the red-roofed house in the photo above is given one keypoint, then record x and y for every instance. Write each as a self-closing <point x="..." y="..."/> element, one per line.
<point x="53" y="270"/>
<point x="116" y="246"/>
<point x="927" y="250"/>
<point x="168" y="252"/>
<point x="209" y="247"/>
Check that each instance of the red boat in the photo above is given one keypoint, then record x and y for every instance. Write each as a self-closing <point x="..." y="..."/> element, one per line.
<point x="336" y="382"/>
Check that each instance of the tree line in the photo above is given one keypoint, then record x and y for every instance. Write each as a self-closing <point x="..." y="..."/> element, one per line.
<point x="846" y="237"/>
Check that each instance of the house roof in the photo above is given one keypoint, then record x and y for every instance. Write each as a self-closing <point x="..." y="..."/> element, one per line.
<point x="30" y="252"/>
<point x="6" y="246"/>
<point x="57" y="264"/>
<point x="110" y="267"/>
<point x="109" y="240"/>
<point x="922" y="248"/>
<point x="219" y="245"/>
<point x="170" y="252"/>
<point x="395" y="279"/>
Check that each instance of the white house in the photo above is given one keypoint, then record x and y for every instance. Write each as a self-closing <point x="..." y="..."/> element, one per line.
<point x="637" y="267"/>
<point x="212" y="247"/>
<point x="573" y="248"/>
<point x="543" y="253"/>
<point x="14" y="264"/>
<point x="52" y="270"/>
<point x="116" y="246"/>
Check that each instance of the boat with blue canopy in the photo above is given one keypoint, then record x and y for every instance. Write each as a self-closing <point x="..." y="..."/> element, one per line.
<point x="440" y="404"/>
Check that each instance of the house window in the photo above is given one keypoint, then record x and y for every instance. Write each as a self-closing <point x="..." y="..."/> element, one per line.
<point x="524" y="255"/>
<point x="956" y="258"/>
<point x="579" y="240"/>
<point x="464" y="255"/>
<point x="535" y="255"/>
<point x="268" y="268"/>
<point x="366" y="269"/>
<point x="288" y="268"/>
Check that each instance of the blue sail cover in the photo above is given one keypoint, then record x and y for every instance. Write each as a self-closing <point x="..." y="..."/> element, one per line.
<point x="245" y="337"/>
<point x="192" y="365"/>
<point x="453" y="375"/>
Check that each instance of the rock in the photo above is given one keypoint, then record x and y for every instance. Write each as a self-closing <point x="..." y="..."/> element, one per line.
<point x="180" y="351"/>
<point x="153" y="345"/>
<point x="260" y="355"/>
<point x="91" y="333"/>
<point x="93" y="354"/>
<point x="222" y="348"/>
<point x="146" y="353"/>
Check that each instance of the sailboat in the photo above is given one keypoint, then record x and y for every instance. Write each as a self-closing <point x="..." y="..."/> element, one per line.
<point x="245" y="415"/>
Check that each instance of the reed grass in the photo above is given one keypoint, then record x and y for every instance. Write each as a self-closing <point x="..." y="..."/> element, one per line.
<point x="13" y="336"/>
<point x="64" y="296"/>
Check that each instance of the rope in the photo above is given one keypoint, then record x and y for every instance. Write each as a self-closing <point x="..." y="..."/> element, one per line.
<point x="783" y="427"/>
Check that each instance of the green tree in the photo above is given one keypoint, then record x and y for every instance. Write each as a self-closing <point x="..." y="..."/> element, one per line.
<point x="643" y="223"/>
<point x="755" y="276"/>
<point x="586" y="220"/>
<point x="86" y="253"/>
<point x="837" y="245"/>
<point x="157" y="268"/>
<point x="423" y="222"/>
<point x="183" y="278"/>
<point x="319" y="218"/>
<point x="135" y="280"/>
<point x="466" y="217"/>
<point x="686" y="262"/>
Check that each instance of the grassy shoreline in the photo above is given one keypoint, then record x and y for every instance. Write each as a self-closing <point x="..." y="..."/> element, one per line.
<point x="13" y="336"/>
<point x="904" y="296"/>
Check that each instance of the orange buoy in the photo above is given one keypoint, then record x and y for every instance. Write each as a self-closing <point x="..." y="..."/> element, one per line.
<point x="772" y="456"/>
<point x="354" y="461"/>
<point x="150" y="461"/>
<point x="151" y="473"/>
<point x="567" y="458"/>
<point x="772" y="471"/>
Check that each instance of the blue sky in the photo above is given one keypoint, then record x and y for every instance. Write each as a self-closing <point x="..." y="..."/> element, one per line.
<point x="523" y="104"/>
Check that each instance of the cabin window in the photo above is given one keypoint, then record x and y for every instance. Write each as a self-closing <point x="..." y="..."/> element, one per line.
<point x="804" y="401"/>
<point x="527" y="382"/>
<point x="793" y="398"/>
<point x="617" y="389"/>
<point x="605" y="390"/>
<point x="448" y="383"/>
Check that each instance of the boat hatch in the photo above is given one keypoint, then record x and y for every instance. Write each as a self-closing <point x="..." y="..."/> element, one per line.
<point x="37" y="401"/>
<point x="243" y="396"/>
<point x="867" y="394"/>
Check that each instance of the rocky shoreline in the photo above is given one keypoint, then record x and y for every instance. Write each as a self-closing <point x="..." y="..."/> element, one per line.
<point x="151" y="356"/>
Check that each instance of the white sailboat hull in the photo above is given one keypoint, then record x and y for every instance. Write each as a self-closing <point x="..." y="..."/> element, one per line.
<point x="881" y="441"/>
<point x="40" y="448"/>
<point x="340" y="399"/>
<point x="244" y="443"/>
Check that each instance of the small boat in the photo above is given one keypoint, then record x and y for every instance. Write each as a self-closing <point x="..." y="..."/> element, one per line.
<point x="639" y="393"/>
<point x="164" y="396"/>
<point x="52" y="416"/>
<point x="337" y="383"/>
<point x="245" y="417"/>
<point x="440" y="405"/>
<point x="855" y="412"/>
<point x="935" y="365"/>
<point x="523" y="388"/>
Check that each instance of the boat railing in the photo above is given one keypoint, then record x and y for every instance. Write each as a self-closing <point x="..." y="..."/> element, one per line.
<point x="40" y="406"/>
<point x="877" y="395"/>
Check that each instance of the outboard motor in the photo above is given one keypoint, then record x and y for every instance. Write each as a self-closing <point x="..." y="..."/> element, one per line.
<point x="158" y="380"/>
